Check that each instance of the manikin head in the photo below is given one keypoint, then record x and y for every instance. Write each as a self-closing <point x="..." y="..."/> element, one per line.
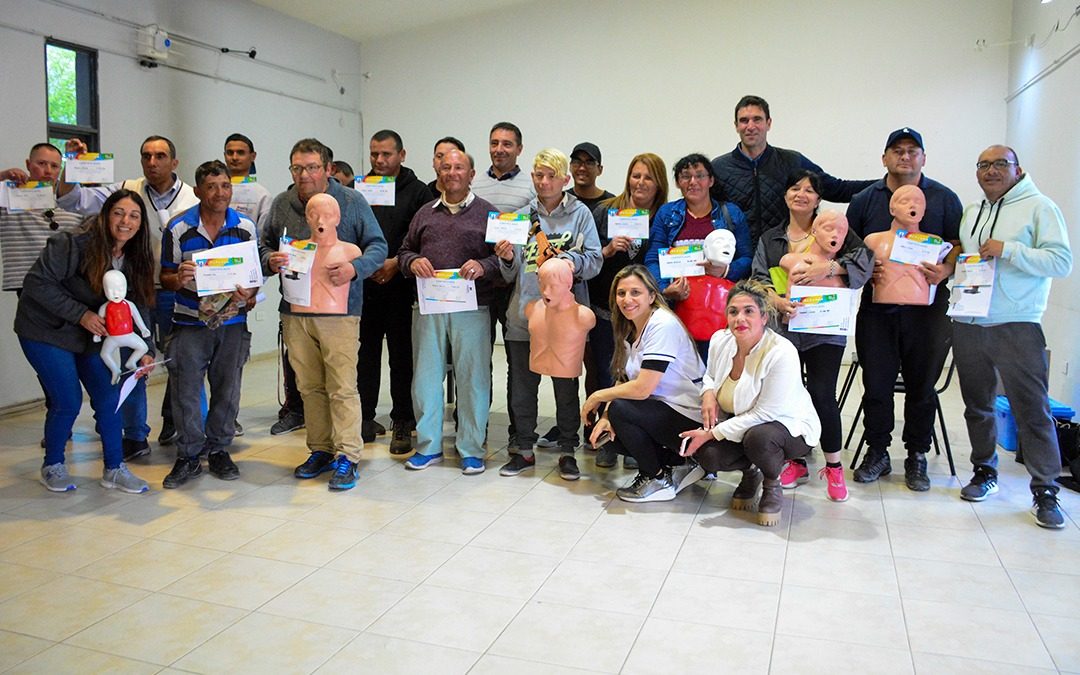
<point x="720" y="247"/>
<point x="829" y="230"/>
<point x="323" y="214"/>
<point x="556" y="278"/>
<point x="907" y="206"/>
<point x="115" y="285"/>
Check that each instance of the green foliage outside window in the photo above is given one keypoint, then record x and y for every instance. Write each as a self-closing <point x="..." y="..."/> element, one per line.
<point x="62" y="87"/>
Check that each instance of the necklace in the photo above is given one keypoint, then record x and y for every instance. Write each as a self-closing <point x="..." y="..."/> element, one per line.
<point x="796" y="241"/>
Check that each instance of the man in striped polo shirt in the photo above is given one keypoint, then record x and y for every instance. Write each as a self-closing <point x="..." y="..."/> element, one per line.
<point x="197" y="350"/>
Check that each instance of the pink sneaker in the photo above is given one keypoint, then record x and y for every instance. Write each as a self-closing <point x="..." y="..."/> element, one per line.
<point x="837" y="488"/>
<point x="793" y="475"/>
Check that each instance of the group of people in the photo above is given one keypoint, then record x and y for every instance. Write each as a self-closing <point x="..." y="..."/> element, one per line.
<point x="754" y="397"/>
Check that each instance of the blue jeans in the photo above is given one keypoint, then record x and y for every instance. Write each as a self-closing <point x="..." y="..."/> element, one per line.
<point x="466" y="334"/>
<point x="60" y="372"/>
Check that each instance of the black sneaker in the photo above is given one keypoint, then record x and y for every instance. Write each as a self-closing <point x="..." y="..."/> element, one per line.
<point x="629" y="462"/>
<point x="568" y="468"/>
<point x="317" y="462"/>
<point x="369" y="429"/>
<point x="134" y="449"/>
<point x="517" y="464"/>
<point x="915" y="473"/>
<point x="168" y="433"/>
<point x="606" y="456"/>
<point x="401" y="441"/>
<point x="550" y="439"/>
<point x="222" y="466"/>
<point x="290" y="421"/>
<point x="875" y="464"/>
<point x="345" y="473"/>
<point x="183" y="470"/>
<point x="982" y="485"/>
<point x="1046" y="509"/>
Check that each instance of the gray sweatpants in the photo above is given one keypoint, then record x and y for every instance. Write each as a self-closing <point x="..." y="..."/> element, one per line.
<point x="1017" y="351"/>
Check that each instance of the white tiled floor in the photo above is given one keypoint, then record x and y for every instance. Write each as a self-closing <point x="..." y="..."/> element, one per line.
<point x="436" y="572"/>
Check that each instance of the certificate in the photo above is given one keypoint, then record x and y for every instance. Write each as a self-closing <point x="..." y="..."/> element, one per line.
<point x="31" y="195"/>
<point x="4" y="184"/>
<point x="377" y="190"/>
<point x="915" y="248"/>
<point x="88" y="167"/>
<point x="244" y="190"/>
<point x="445" y="293"/>
<point x="222" y="268"/>
<point x="301" y="253"/>
<point x="296" y="288"/>
<point x="632" y="223"/>
<point x="513" y="227"/>
<point x="682" y="261"/>
<point x="824" y="310"/>
<point x="973" y="286"/>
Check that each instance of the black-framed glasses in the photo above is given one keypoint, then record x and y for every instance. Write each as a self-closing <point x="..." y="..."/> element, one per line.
<point x="50" y="214"/>
<point x="999" y="164"/>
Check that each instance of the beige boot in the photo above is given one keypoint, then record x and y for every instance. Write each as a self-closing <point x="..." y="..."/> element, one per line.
<point x="743" y="497"/>
<point x="771" y="503"/>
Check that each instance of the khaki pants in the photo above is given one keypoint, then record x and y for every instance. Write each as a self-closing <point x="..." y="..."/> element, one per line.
<point x="323" y="352"/>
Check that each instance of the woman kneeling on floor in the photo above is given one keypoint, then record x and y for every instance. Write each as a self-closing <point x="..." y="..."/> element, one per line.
<point x="755" y="412"/>
<point x="658" y="372"/>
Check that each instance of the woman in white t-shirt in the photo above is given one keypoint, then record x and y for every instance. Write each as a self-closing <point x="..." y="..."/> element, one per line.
<point x="756" y="413"/>
<point x="657" y="394"/>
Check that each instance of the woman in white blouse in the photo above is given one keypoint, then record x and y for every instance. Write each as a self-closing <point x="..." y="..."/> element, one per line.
<point x="755" y="412"/>
<point x="657" y="393"/>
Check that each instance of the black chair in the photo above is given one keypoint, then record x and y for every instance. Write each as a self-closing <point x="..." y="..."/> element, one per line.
<point x="898" y="388"/>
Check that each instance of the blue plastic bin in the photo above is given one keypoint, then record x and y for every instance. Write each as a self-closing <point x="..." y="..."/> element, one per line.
<point x="1006" y="424"/>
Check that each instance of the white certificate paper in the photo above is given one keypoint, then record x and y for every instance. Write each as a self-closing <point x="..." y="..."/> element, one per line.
<point x="377" y="190"/>
<point x="30" y="196"/>
<point x="222" y="268"/>
<point x="682" y="261"/>
<point x="445" y="293"/>
<point x="244" y="190"/>
<point x="88" y="167"/>
<point x="915" y="248"/>
<point x="301" y="253"/>
<point x="513" y="227"/>
<point x="296" y="288"/>
<point x="973" y="286"/>
<point x="824" y="310"/>
<point x="632" y="223"/>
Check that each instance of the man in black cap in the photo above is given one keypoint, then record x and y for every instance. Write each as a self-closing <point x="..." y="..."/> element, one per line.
<point x="908" y="339"/>
<point x="585" y="167"/>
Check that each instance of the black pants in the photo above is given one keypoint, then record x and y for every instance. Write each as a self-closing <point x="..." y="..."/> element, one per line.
<point x="821" y="367"/>
<point x="765" y="446"/>
<point x="294" y="403"/>
<point x="387" y="313"/>
<point x="912" y="342"/>
<point x="649" y="431"/>
<point x="523" y="402"/>
<point x="500" y="303"/>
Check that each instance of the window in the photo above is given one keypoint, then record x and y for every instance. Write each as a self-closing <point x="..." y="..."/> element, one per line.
<point x="71" y="89"/>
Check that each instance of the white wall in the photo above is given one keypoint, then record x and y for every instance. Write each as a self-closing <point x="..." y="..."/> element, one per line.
<point x="197" y="113"/>
<point x="1044" y="131"/>
<point x="636" y="76"/>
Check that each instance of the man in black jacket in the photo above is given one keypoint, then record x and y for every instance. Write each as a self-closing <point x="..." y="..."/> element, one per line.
<point x="754" y="174"/>
<point x="388" y="298"/>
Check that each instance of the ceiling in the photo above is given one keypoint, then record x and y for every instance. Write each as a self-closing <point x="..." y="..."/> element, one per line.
<point x="362" y="20"/>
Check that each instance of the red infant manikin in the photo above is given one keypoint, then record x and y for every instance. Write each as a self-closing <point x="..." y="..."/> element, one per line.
<point x="704" y="311"/>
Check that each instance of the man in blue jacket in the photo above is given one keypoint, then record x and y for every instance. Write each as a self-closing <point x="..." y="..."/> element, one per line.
<point x="1025" y="234"/>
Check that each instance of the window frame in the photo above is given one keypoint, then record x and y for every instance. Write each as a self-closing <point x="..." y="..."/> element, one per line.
<point x="86" y="86"/>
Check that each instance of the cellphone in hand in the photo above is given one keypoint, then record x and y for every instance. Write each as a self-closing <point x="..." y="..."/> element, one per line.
<point x="602" y="440"/>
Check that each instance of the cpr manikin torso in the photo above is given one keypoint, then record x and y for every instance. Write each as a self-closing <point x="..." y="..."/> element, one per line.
<point x="827" y="236"/>
<point x="323" y="215"/>
<point x="558" y="325"/>
<point x="703" y="312"/>
<point x="900" y="284"/>
<point x="121" y="318"/>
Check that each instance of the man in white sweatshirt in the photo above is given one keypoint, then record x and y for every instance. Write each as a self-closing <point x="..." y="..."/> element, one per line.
<point x="1025" y="234"/>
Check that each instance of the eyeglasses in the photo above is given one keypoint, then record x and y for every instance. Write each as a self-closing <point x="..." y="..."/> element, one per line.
<point x="53" y="225"/>
<point x="296" y="169"/>
<point x="589" y="162"/>
<point x="999" y="164"/>
<point x="701" y="177"/>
